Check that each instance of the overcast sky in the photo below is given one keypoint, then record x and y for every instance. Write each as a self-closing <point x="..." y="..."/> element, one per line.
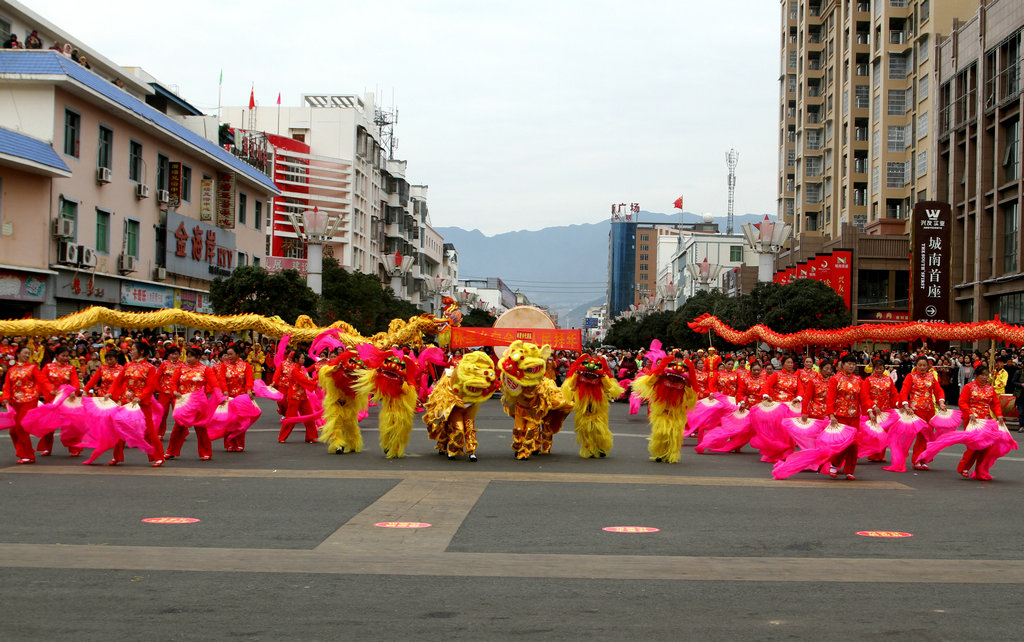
<point x="518" y="115"/>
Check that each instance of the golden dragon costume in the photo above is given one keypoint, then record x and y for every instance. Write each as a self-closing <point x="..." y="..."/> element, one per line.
<point x="392" y="384"/>
<point x="342" y="404"/>
<point x="534" y="402"/>
<point x="670" y="396"/>
<point x="589" y="387"/>
<point x="453" y="403"/>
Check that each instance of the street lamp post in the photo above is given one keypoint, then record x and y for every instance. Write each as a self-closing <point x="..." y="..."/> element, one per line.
<point x="766" y="238"/>
<point x="667" y="293"/>
<point x="398" y="266"/>
<point x="438" y="285"/>
<point x="316" y="229"/>
<point x="704" y="273"/>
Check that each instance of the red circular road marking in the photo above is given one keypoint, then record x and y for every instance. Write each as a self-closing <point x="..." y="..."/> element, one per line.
<point x="630" y="529"/>
<point x="884" y="534"/>
<point x="170" y="520"/>
<point x="402" y="525"/>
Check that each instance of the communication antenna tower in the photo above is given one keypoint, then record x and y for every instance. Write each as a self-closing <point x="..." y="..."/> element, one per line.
<point x="386" y="121"/>
<point x="731" y="158"/>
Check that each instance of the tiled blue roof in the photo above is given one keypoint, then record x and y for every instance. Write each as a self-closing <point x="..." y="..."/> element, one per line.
<point x="22" y="146"/>
<point x="53" y="63"/>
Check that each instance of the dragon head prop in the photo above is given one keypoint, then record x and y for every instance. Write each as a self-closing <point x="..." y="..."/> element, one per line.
<point x="523" y="365"/>
<point x="671" y="378"/>
<point x="395" y="371"/>
<point x="475" y="378"/>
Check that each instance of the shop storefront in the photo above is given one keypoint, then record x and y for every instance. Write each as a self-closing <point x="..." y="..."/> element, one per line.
<point x="143" y="297"/>
<point x="76" y="291"/>
<point x="21" y="293"/>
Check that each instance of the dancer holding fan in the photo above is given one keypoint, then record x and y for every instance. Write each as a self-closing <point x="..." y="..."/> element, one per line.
<point x="136" y="384"/>
<point x="24" y="385"/>
<point x="192" y="382"/>
<point x="878" y="396"/>
<point x="60" y="372"/>
<point x="844" y="406"/>
<point x="921" y="392"/>
<point x="236" y="378"/>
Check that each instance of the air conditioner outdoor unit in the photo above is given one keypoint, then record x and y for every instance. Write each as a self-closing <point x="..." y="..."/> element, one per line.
<point x="163" y="196"/>
<point x="103" y="174"/>
<point x="160" y="274"/>
<point x="142" y="190"/>
<point x="127" y="263"/>
<point x="68" y="253"/>
<point x="63" y="228"/>
<point x="87" y="257"/>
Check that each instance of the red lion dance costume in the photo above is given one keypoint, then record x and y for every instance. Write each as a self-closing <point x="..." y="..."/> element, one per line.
<point x="670" y="397"/>
<point x="391" y="382"/>
<point x="589" y="387"/>
<point x="342" y="404"/>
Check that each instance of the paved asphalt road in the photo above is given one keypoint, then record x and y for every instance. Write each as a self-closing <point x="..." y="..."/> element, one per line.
<point x="286" y="546"/>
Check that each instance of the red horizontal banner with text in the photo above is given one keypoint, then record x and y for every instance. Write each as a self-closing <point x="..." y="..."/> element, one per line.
<point x="557" y="339"/>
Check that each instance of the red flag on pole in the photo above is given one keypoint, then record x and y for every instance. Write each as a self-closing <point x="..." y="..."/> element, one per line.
<point x="278" y="99"/>
<point x="679" y="203"/>
<point x="252" y="98"/>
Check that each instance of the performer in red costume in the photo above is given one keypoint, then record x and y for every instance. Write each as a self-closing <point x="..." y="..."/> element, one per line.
<point x="24" y="385"/>
<point x="296" y="402"/>
<point x="815" y="392"/>
<point x="192" y="377"/>
<point x="137" y="382"/>
<point x="101" y="381"/>
<point x="807" y="373"/>
<point x="60" y="372"/>
<point x="236" y="378"/>
<point x="784" y="385"/>
<point x="921" y="391"/>
<point x="978" y="400"/>
<point x="844" y="407"/>
<point x="700" y="377"/>
<point x="754" y="386"/>
<point x="727" y="381"/>
<point x="165" y="384"/>
<point x="878" y="395"/>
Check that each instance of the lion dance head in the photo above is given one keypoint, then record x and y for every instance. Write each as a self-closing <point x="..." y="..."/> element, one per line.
<point x="523" y="366"/>
<point x="591" y="377"/>
<point x="475" y="378"/>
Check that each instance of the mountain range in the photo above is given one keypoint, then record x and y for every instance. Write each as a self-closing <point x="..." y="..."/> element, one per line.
<point x="564" y="267"/>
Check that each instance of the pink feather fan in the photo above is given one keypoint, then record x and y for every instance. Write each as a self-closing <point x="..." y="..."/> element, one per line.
<point x="733" y="432"/>
<point x="129" y="423"/>
<point x="101" y="435"/>
<point x="872" y="436"/>
<point x="946" y="421"/>
<point x="218" y="420"/>
<point x="261" y="389"/>
<point x="902" y="433"/>
<point x="191" y="409"/>
<point x="804" y="433"/>
<point x="46" y="418"/>
<point x="708" y="413"/>
<point x="978" y="434"/>
<point x="833" y="440"/>
<point x="7" y="417"/>
<point x="770" y="439"/>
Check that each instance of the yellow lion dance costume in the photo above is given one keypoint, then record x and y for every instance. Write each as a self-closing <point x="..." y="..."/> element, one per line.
<point x="670" y="396"/>
<point x="533" y="401"/>
<point x="589" y="387"/>
<point x="391" y="383"/>
<point x="452" y="405"/>
<point x="342" y="404"/>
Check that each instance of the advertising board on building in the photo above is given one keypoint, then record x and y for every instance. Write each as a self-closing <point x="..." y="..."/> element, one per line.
<point x="174" y="184"/>
<point x="198" y="249"/>
<point x="144" y="295"/>
<point x="206" y="199"/>
<point x="192" y="301"/>
<point x="930" y="243"/>
<point x="22" y="287"/>
<point x="225" y="202"/>
<point x="86" y="286"/>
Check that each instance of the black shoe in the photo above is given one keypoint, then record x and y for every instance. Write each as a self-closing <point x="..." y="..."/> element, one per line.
<point x="451" y="457"/>
<point x="339" y="451"/>
<point x="472" y="458"/>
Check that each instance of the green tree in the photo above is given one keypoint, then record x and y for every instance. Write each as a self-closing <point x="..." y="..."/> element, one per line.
<point x="624" y="333"/>
<point x="710" y="302"/>
<point x="804" y="304"/>
<point x="477" y="318"/>
<point x="251" y="289"/>
<point x="359" y="300"/>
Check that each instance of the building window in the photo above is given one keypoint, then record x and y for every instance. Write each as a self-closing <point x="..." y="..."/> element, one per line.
<point x="897" y="102"/>
<point x="105" y="148"/>
<point x="241" y="208"/>
<point x="69" y="212"/>
<point x="643" y="267"/>
<point x="258" y="214"/>
<point x="160" y="245"/>
<point x="1011" y="308"/>
<point x="923" y="49"/>
<point x="131" y="238"/>
<point x="898" y="66"/>
<point x="735" y="253"/>
<point x="874" y="181"/>
<point x="102" y="231"/>
<point x="186" y="183"/>
<point x="1011" y="238"/>
<point x="922" y="87"/>
<point x="922" y="162"/>
<point x="1011" y="153"/>
<point x="256" y="261"/>
<point x="135" y="161"/>
<point x="896" y="142"/>
<point x="922" y="125"/>
<point x="163" y="172"/>
<point x="242" y="259"/>
<point x="72" y="132"/>
<point x="861" y="96"/>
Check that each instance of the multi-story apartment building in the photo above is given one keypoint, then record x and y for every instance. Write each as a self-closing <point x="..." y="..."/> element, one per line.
<point x="723" y="251"/>
<point x="328" y="154"/>
<point x="108" y="200"/>
<point x="855" y="134"/>
<point x="978" y="160"/>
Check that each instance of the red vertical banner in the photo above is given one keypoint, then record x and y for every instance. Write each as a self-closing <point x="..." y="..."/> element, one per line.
<point x="801" y="270"/>
<point x="842" y="275"/>
<point x="812" y="268"/>
<point x="825" y="269"/>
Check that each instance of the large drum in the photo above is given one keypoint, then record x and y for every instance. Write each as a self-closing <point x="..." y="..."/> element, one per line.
<point x="1009" y="405"/>
<point x="523" y="316"/>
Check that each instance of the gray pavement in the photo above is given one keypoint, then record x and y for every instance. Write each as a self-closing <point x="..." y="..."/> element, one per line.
<point x="286" y="546"/>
